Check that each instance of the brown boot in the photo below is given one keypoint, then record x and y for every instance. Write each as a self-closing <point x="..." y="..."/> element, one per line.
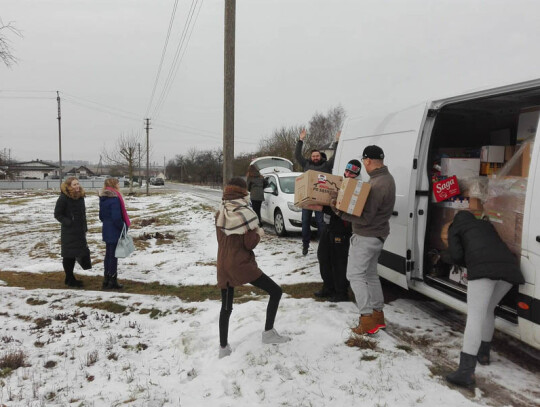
<point x="378" y="316"/>
<point x="367" y="325"/>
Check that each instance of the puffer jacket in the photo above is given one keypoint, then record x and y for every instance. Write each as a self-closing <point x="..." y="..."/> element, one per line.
<point x="70" y="211"/>
<point x="110" y="213"/>
<point x="476" y="244"/>
<point x="255" y="186"/>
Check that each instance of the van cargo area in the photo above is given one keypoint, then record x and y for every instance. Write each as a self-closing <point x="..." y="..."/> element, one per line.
<point x="486" y="145"/>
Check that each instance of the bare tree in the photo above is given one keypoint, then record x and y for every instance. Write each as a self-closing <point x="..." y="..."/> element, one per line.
<point x="125" y="154"/>
<point x="281" y="143"/>
<point x="5" y="44"/>
<point x="323" y="127"/>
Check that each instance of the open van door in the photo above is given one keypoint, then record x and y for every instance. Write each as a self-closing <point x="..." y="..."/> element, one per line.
<point x="399" y="135"/>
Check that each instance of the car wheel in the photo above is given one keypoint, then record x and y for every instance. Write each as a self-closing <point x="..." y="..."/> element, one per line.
<point x="279" y="224"/>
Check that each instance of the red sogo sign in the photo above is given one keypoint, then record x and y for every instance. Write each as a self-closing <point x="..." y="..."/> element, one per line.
<point x="445" y="189"/>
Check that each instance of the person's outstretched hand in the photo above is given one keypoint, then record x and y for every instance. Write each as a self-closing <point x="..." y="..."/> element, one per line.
<point x="303" y="134"/>
<point x="338" y="135"/>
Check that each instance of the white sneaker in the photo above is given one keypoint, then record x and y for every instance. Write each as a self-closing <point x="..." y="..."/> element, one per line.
<point x="226" y="351"/>
<point x="272" y="336"/>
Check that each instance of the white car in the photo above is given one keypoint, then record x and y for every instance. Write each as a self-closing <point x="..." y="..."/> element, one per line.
<point x="278" y="206"/>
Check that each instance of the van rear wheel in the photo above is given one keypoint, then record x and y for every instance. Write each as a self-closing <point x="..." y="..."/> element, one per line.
<point x="279" y="224"/>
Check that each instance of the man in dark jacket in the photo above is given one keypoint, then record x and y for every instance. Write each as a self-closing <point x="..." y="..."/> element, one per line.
<point x="370" y="230"/>
<point x="492" y="269"/>
<point x="318" y="163"/>
<point x="333" y="248"/>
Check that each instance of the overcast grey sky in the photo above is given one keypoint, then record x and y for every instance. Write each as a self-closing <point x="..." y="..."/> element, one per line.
<point x="293" y="58"/>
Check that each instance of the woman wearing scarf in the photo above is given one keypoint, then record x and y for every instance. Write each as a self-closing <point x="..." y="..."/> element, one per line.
<point x="238" y="232"/>
<point x="113" y="214"/>
<point x="70" y="211"/>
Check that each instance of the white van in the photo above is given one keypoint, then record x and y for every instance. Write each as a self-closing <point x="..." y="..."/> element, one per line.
<point x="415" y="141"/>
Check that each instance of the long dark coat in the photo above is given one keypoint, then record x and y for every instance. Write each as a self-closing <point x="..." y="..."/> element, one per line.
<point x="71" y="213"/>
<point x="476" y="244"/>
<point x="110" y="213"/>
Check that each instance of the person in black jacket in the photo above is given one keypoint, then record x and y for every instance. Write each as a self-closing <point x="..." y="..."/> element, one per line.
<point x="492" y="269"/>
<point x="333" y="250"/>
<point x="70" y="211"/>
<point x="318" y="163"/>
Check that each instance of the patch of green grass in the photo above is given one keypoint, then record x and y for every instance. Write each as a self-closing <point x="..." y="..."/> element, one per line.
<point x="154" y="312"/>
<point x="406" y="348"/>
<point x="105" y="306"/>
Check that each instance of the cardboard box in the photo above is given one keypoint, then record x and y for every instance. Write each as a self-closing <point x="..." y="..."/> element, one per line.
<point x="352" y="196"/>
<point x="509" y="152"/>
<point x="445" y="189"/>
<point x="509" y="226"/>
<point x="460" y="167"/>
<point x="521" y="167"/>
<point x="490" y="168"/>
<point x="492" y="154"/>
<point x="528" y="122"/>
<point x="315" y="188"/>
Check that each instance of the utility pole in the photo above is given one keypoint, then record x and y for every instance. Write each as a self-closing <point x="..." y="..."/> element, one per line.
<point x="164" y="167"/>
<point x="140" y="181"/>
<point x="147" y="156"/>
<point x="228" y="105"/>
<point x="59" y="137"/>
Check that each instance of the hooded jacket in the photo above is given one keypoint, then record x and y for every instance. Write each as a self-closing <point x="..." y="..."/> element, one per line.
<point x="70" y="211"/>
<point x="110" y="213"/>
<point x="476" y="244"/>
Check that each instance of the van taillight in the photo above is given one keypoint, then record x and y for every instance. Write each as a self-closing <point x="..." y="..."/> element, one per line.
<point x="523" y="305"/>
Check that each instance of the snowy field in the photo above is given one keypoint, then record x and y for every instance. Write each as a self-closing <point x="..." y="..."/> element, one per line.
<point x="161" y="351"/>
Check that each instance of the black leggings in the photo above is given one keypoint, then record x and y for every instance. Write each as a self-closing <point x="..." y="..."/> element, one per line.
<point x="68" y="264"/>
<point x="265" y="283"/>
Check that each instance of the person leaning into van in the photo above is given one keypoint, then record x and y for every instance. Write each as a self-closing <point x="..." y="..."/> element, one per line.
<point x="113" y="214"/>
<point x="70" y="211"/>
<point x="333" y="250"/>
<point x="238" y="233"/>
<point x="255" y="187"/>
<point x="318" y="163"/>
<point x="369" y="233"/>
<point x="492" y="269"/>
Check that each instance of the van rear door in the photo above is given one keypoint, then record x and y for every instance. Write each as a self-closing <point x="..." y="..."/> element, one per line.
<point x="398" y="134"/>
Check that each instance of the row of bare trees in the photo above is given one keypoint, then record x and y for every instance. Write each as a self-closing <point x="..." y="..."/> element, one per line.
<point x="205" y="166"/>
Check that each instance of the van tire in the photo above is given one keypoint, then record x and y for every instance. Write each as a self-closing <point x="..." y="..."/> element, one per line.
<point x="279" y="224"/>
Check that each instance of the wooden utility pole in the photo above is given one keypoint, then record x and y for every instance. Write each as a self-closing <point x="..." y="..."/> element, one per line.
<point x="140" y="180"/>
<point x="59" y="137"/>
<point x="147" y="156"/>
<point x="228" y="105"/>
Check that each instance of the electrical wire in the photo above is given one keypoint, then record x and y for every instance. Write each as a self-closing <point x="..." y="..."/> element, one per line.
<point x="173" y="14"/>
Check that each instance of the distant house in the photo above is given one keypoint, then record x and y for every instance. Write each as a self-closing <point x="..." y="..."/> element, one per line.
<point x="81" y="172"/>
<point x="36" y="169"/>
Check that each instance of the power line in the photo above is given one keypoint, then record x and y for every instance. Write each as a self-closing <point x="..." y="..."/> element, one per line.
<point x="173" y="14"/>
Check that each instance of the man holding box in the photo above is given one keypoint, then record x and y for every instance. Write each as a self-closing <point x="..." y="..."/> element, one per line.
<point x="318" y="163"/>
<point x="369" y="233"/>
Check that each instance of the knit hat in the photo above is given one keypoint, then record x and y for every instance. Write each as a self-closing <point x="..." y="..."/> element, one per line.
<point x="373" y="152"/>
<point x="354" y="166"/>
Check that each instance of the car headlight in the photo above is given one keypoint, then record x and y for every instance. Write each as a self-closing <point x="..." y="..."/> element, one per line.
<point x="293" y="207"/>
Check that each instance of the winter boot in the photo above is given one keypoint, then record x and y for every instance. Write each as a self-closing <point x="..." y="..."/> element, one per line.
<point x="224" y="351"/>
<point x="464" y="376"/>
<point x="105" y="283"/>
<point x="379" y="318"/>
<point x="323" y="293"/>
<point x="272" y="336"/>
<point x="483" y="353"/>
<point x="71" y="281"/>
<point x="366" y="325"/>
<point x="305" y="250"/>
<point x="113" y="283"/>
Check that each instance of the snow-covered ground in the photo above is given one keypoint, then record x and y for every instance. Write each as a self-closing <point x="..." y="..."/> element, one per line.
<point x="159" y="350"/>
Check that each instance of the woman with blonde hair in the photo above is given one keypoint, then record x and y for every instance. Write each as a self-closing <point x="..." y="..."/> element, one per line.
<point x="70" y="211"/>
<point x="113" y="214"/>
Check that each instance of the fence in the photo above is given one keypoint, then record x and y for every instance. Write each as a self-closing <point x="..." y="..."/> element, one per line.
<point x="47" y="184"/>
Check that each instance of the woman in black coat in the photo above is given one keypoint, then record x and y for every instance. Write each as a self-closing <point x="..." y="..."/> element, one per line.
<point x="70" y="211"/>
<point x="492" y="269"/>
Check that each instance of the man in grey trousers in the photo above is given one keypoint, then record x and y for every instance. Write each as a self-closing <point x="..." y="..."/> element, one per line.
<point x="369" y="233"/>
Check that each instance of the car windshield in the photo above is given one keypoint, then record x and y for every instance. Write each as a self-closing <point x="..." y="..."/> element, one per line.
<point x="287" y="184"/>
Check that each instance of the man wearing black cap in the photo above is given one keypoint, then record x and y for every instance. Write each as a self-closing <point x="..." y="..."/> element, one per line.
<point x="369" y="233"/>
<point x="317" y="162"/>
<point x="333" y="249"/>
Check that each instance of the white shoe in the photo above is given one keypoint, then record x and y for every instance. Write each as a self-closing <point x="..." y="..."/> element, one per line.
<point x="272" y="336"/>
<point x="226" y="351"/>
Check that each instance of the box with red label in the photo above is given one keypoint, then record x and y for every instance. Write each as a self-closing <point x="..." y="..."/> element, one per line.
<point x="445" y="189"/>
<point x="315" y="188"/>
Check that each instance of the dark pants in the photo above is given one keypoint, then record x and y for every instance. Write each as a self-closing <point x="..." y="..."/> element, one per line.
<point x="68" y="264"/>
<point x="265" y="283"/>
<point x="111" y="262"/>
<point x="333" y="253"/>
<point x="257" y="208"/>
<point x="306" y="224"/>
